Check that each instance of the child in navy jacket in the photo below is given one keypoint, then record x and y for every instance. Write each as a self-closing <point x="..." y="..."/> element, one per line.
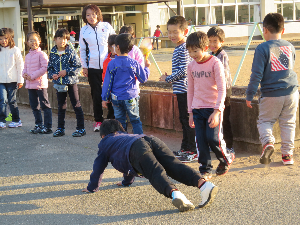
<point x="138" y="154"/>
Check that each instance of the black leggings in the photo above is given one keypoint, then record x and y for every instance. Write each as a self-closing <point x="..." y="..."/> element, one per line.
<point x="154" y="160"/>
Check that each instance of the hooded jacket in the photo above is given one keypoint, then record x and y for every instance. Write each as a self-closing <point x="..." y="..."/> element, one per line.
<point x="36" y="62"/>
<point x="68" y="61"/>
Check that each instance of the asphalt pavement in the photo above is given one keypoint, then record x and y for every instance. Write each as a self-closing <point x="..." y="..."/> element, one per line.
<point x="41" y="178"/>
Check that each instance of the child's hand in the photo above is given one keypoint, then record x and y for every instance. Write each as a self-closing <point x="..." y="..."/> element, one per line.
<point x="28" y="77"/>
<point x="85" y="72"/>
<point x="55" y="76"/>
<point x="20" y="85"/>
<point x="119" y="184"/>
<point x="86" y="190"/>
<point x="104" y="104"/>
<point x="249" y="104"/>
<point x="163" y="77"/>
<point x="62" y="73"/>
<point x="25" y="76"/>
<point x="214" y="119"/>
<point x="191" y="120"/>
<point x="147" y="63"/>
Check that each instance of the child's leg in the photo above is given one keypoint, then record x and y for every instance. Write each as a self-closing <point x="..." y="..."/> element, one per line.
<point x="132" y="107"/>
<point x="62" y="105"/>
<point x="287" y="123"/>
<point x="110" y="109"/>
<point x="200" y="117"/>
<point x="120" y="112"/>
<point x="35" y="106"/>
<point x="228" y="137"/>
<point x="45" y="105"/>
<point x="188" y="140"/>
<point x="12" y="89"/>
<point x="74" y="98"/>
<point x="3" y="102"/>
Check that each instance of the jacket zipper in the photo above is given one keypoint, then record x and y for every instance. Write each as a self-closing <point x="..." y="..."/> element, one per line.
<point x="98" y="46"/>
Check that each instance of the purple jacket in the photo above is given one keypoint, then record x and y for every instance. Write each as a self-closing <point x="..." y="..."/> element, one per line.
<point x="36" y="63"/>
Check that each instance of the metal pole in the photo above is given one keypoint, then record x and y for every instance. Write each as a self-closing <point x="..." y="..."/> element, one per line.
<point x="29" y="13"/>
<point x="244" y="55"/>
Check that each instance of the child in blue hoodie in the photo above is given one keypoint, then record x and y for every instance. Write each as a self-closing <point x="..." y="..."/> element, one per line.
<point x="64" y="67"/>
<point x="138" y="154"/>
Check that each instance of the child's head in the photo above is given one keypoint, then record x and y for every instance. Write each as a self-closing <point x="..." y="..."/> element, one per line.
<point x="6" y="38"/>
<point x="274" y="22"/>
<point x="72" y="33"/>
<point x="33" y="40"/>
<point x="158" y="27"/>
<point x="197" y="46"/>
<point x="111" y="43"/>
<point x="177" y="29"/>
<point x="216" y="37"/>
<point x="110" y="127"/>
<point x="61" y="38"/>
<point x="124" y="43"/>
<point x="92" y="14"/>
<point x="127" y="30"/>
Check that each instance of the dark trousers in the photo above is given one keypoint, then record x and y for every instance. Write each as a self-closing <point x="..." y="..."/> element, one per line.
<point x="110" y="111"/>
<point x="39" y="99"/>
<point x="8" y="95"/>
<point x="209" y="137"/>
<point x="188" y="140"/>
<point x="155" y="161"/>
<point x="95" y="81"/>
<point x="228" y="136"/>
<point x="62" y="106"/>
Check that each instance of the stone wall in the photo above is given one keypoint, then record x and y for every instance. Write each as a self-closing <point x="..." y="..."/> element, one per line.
<point x="158" y="108"/>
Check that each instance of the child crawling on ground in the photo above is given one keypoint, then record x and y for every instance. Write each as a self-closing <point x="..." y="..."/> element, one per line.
<point x="138" y="154"/>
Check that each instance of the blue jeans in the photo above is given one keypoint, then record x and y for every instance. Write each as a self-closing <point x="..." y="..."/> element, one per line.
<point x="132" y="108"/>
<point x="8" y="95"/>
<point x="39" y="99"/>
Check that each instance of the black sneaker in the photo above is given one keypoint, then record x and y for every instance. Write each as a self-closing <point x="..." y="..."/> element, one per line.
<point x="223" y="168"/>
<point x="46" y="130"/>
<point x="79" y="133"/>
<point x="265" y="157"/>
<point x="59" y="132"/>
<point x="37" y="129"/>
<point x="179" y="153"/>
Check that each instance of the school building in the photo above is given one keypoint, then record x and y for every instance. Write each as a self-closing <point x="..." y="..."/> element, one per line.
<point x="143" y="15"/>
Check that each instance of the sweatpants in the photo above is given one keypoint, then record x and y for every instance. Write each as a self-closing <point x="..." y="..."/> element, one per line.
<point x="155" y="161"/>
<point x="284" y="110"/>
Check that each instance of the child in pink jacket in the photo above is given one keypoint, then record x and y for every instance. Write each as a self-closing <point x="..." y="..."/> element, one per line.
<point x="35" y="74"/>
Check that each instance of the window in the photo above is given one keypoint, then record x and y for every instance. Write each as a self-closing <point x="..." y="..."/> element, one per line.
<point x="279" y="8"/>
<point x="243" y="14"/>
<point x="229" y="12"/>
<point x="189" y="14"/>
<point x="297" y="9"/>
<point x="216" y="15"/>
<point x="254" y="13"/>
<point x="202" y="18"/>
<point x="164" y="17"/>
<point x="288" y="11"/>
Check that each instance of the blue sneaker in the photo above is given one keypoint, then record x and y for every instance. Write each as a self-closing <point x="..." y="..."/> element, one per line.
<point x="59" y="132"/>
<point x="2" y="125"/>
<point x="15" y="124"/>
<point x="79" y="133"/>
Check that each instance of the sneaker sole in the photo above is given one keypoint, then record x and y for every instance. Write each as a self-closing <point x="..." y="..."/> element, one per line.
<point x="265" y="157"/>
<point x="178" y="203"/>
<point x="211" y="197"/>
<point x="288" y="163"/>
<point x="58" y="135"/>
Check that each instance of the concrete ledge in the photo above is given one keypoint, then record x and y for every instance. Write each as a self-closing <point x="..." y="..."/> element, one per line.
<point x="159" y="109"/>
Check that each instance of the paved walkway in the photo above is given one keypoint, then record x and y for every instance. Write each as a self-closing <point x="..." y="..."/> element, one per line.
<point x="41" y="178"/>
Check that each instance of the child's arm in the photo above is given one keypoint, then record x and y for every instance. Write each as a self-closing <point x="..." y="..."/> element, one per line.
<point x="51" y="67"/>
<point x="128" y="180"/>
<point x="142" y="74"/>
<point x="221" y="85"/>
<point x="20" y="66"/>
<point x="258" y="67"/>
<point x="43" y="69"/>
<point x="108" y="83"/>
<point x="179" y="66"/>
<point x="190" y="95"/>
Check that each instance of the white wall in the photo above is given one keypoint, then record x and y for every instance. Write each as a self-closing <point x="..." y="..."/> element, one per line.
<point x="10" y="17"/>
<point x="154" y="17"/>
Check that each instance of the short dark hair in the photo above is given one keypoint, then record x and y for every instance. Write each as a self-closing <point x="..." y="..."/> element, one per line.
<point x="8" y="34"/>
<point x="125" y="42"/>
<point x="216" y="32"/>
<point x="127" y="30"/>
<point x="33" y="33"/>
<point x="96" y="9"/>
<point x="110" y="127"/>
<point x="197" y="40"/>
<point x="111" y="39"/>
<point x="274" y="22"/>
<point x="63" y="33"/>
<point x="180" y="20"/>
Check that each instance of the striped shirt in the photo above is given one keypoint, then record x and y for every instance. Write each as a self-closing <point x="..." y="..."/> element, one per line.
<point x="178" y="78"/>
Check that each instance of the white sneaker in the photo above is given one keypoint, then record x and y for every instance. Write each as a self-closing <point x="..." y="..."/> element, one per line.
<point x="207" y="193"/>
<point x="2" y="125"/>
<point x="97" y="126"/>
<point x="181" y="202"/>
<point x="15" y="124"/>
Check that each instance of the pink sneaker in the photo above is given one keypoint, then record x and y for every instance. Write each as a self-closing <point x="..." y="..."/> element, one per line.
<point x="97" y="126"/>
<point x="287" y="159"/>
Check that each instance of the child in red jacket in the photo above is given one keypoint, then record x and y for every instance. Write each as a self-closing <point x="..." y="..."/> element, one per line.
<point x="110" y="56"/>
